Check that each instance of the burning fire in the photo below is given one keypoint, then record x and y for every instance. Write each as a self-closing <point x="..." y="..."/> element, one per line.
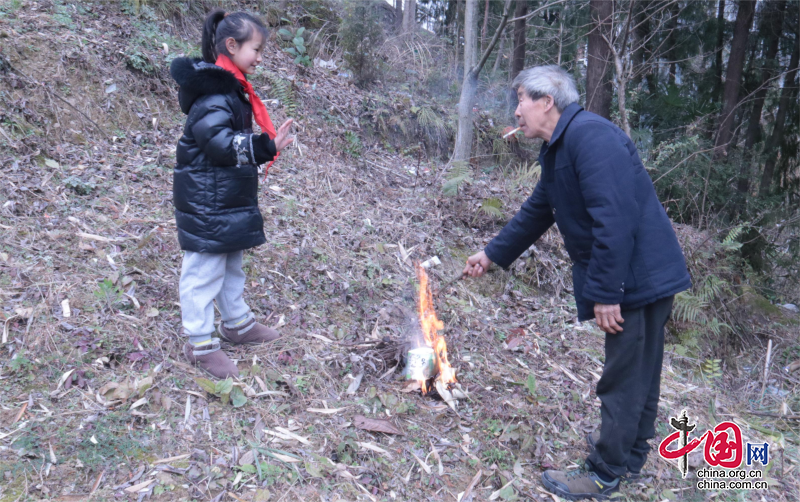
<point x="431" y="325"/>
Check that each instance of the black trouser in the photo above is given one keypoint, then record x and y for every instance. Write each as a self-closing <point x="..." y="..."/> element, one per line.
<point x="629" y="390"/>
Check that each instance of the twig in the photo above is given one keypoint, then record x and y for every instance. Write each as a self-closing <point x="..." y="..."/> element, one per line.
<point x="773" y="415"/>
<point x="450" y="283"/>
<point x="11" y="142"/>
<point x="766" y="368"/>
<point x="419" y="160"/>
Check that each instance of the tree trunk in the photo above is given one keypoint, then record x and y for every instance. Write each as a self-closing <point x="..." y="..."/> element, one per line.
<point x="598" y="85"/>
<point x="398" y="16"/>
<point x="518" y="50"/>
<point x="733" y="77"/>
<point x="672" y="43"/>
<point x="520" y="26"/>
<point x="776" y="138"/>
<point x="464" y="136"/>
<point x="485" y="27"/>
<point x="458" y="38"/>
<point x="770" y="28"/>
<point x="470" y="35"/>
<point x="641" y="47"/>
<point x="718" y="50"/>
<point x="410" y="17"/>
<point x="499" y="55"/>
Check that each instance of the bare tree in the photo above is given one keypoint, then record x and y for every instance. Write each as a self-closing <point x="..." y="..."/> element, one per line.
<point x="464" y="135"/>
<point x="469" y="88"/>
<point x="398" y="15"/>
<point x="733" y="77"/>
<point x="629" y="45"/>
<point x="518" y="49"/>
<point x="718" y="50"/>
<point x="499" y="55"/>
<point x="770" y="26"/>
<point x="789" y="88"/>
<point x="410" y="17"/>
<point x="470" y="34"/>
<point x="485" y="26"/>
<point x="598" y="85"/>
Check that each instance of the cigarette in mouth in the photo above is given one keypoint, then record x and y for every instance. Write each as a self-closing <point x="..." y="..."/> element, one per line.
<point x="511" y="133"/>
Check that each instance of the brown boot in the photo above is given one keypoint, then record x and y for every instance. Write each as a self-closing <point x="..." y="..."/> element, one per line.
<point x="211" y="359"/>
<point x="250" y="333"/>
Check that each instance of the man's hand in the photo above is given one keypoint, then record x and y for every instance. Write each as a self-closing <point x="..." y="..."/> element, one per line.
<point x="282" y="138"/>
<point x="477" y="265"/>
<point x="608" y="318"/>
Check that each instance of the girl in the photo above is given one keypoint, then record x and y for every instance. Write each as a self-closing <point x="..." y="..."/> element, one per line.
<point x="215" y="187"/>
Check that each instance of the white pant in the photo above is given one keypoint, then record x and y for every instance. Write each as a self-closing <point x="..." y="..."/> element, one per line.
<point x="207" y="277"/>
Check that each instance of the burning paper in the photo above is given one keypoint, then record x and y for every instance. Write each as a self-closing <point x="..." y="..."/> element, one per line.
<point x="428" y="356"/>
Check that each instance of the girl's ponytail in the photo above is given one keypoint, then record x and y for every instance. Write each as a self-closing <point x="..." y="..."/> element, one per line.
<point x="209" y="35"/>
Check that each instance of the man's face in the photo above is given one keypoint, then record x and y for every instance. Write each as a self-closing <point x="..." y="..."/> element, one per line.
<point x="531" y="113"/>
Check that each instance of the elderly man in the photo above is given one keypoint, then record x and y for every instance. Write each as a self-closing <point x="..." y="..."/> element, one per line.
<point x="627" y="265"/>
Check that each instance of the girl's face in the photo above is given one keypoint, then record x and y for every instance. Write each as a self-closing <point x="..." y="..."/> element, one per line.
<point x="246" y="56"/>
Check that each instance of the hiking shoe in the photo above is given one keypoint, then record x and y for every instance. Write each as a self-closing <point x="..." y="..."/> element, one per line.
<point x="578" y="484"/>
<point x="250" y="333"/>
<point x="591" y="441"/>
<point x="211" y="359"/>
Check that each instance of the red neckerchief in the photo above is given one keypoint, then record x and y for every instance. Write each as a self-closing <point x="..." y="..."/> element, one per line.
<point x="259" y="110"/>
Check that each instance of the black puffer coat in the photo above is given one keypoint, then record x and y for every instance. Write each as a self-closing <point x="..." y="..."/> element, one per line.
<point x="215" y="187"/>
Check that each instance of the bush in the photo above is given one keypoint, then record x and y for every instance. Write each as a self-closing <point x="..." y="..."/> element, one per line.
<point x="361" y="36"/>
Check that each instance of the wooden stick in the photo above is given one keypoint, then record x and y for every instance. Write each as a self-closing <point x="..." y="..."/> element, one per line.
<point x="450" y="283"/>
<point x="766" y="368"/>
<point x="773" y="415"/>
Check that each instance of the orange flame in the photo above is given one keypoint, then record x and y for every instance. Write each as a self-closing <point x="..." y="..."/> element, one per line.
<point x="431" y="325"/>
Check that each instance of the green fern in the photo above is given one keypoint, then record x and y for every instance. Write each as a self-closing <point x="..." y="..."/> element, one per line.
<point x="730" y="242"/>
<point x="712" y="368"/>
<point x="459" y="173"/>
<point x="688" y="307"/>
<point x="492" y="207"/>
<point x="282" y="91"/>
<point x="711" y="288"/>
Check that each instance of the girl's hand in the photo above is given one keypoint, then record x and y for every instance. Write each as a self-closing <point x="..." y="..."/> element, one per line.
<point x="282" y="139"/>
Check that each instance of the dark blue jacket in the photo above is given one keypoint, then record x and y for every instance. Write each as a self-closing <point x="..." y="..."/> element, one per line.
<point x="594" y="186"/>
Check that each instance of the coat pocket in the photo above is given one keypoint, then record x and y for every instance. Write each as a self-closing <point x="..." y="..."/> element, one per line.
<point x="236" y="187"/>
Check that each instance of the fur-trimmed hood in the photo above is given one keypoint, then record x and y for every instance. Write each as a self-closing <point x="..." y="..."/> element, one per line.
<point x="197" y="78"/>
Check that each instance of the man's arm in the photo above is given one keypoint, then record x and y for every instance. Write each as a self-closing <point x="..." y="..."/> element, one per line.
<point x="606" y="176"/>
<point x="532" y="220"/>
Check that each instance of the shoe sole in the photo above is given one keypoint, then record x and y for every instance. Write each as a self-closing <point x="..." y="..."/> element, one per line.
<point x="555" y="490"/>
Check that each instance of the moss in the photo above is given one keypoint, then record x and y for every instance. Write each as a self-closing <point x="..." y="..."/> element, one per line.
<point x="760" y="305"/>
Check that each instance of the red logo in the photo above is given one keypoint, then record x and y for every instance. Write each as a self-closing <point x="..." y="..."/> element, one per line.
<point x="723" y="444"/>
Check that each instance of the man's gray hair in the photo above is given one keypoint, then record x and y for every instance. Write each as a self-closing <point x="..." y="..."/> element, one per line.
<point x="541" y="81"/>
